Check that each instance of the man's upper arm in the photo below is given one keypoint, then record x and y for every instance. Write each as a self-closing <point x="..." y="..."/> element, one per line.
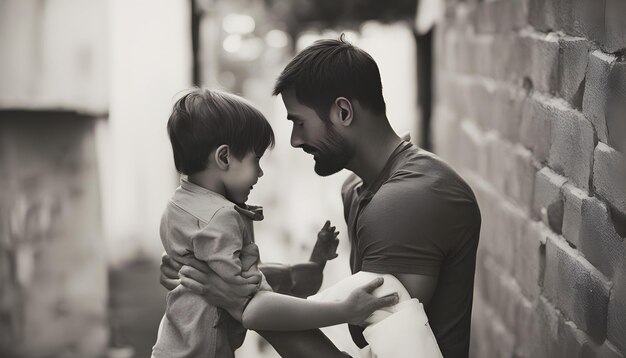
<point x="419" y="286"/>
<point x="402" y="236"/>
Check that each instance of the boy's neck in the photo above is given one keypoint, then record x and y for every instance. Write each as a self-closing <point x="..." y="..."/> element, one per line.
<point x="209" y="181"/>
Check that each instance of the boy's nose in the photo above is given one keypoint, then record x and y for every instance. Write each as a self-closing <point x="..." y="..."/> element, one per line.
<point x="261" y="172"/>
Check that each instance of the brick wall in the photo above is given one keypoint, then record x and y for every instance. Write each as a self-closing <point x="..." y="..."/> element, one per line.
<point x="527" y="109"/>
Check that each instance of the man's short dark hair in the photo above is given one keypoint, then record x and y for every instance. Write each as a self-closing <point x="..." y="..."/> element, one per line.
<point x="329" y="69"/>
<point x="203" y="119"/>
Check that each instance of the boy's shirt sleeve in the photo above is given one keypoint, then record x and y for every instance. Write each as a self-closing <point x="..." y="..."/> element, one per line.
<point x="219" y="243"/>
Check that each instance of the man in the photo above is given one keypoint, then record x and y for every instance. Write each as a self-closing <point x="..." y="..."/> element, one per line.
<point x="408" y="213"/>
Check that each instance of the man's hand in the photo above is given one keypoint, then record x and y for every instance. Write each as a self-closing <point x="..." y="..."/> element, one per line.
<point x="169" y="272"/>
<point x="326" y="246"/>
<point x="199" y="278"/>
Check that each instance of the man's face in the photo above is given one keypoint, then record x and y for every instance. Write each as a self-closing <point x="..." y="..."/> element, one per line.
<point x="330" y="150"/>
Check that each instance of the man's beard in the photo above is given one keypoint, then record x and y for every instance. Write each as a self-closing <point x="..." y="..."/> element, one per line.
<point x="332" y="154"/>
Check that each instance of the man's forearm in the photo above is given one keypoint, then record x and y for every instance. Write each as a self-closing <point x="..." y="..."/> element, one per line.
<point x="301" y="280"/>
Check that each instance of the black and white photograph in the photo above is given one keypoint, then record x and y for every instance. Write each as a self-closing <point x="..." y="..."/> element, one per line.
<point x="312" y="178"/>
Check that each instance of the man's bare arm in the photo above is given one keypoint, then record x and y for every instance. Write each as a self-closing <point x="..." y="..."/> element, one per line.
<point x="419" y="286"/>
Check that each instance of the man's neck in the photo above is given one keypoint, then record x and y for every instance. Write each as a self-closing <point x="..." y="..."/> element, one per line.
<point x="372" y="155"/>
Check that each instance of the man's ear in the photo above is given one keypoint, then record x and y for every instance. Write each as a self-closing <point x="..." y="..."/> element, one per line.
<point x="222" y="156"/>
<point x="342" y="112"/>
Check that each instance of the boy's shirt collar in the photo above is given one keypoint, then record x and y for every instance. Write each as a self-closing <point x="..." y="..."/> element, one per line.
<point x="253" y="212"/>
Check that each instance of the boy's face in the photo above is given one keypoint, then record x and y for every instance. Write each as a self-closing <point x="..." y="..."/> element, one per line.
<point x="241" y="176"/>
<point x="330" y="150"/>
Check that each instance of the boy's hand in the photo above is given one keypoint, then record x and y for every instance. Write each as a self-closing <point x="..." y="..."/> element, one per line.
<point x="362" y="303"/>
<point x="326" y="246"/>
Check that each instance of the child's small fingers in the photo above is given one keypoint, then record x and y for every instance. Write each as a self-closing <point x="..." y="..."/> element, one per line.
<point x="326" y="225"/>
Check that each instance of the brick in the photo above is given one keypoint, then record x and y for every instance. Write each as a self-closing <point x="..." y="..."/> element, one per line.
<point x="616" y="108"/>
<point x="598" y="241"/>
<point x="508" y="106"/>
<point x="554" y="336"/>
<point x="545" y="61"/>
<point x="500" y="160"/>
<point x="521" y="182"/>
<point x="500" y="16"/>
<point x="547" y="198"/>
<point x="573" y="59"/>
<point x="488" y="200"/>
<point x="616" y="330"/>
<point x="529" y="259"/>
<point x="544" y="329"/>
<point x="596" y="91"/>
<point x="576" y="288"/>
<point x="499" y="290"/>
<point x="480" y="54"/>
<point x="584" y="18"/>
<point x="571" y="151"/>
<point x="510" y="224"/>
<point x="482" y="92"/>
<point x="518" y="59"/>
<point x="606" y="350"/>
<point x="485" y="19"/>
<point x="542" y="14"/>
<point x="523" y="329"/>
<point x="444" y="129"/>
<point x="508" y="66"/>
<point x="473" y="155"/>
<point x="493" y="339"/>
<point x="574" y="342"/>
<point x="572" y="213"/>
<point x="615" y="27"/>
<point x="535" y="129"/>
<point x="609" y="176"/>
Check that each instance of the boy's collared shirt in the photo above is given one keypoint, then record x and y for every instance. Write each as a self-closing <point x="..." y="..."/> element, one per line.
<point x="205" y="224"/>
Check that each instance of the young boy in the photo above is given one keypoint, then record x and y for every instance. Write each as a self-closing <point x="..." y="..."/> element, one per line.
<point x="218" y="139"/>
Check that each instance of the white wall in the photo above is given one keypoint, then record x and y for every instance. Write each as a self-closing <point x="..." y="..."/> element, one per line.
<point x="151" y="62"/>
<point x="57" y="57"/>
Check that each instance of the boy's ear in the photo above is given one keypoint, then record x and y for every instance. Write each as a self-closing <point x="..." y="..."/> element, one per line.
<point x="222" y="156"/>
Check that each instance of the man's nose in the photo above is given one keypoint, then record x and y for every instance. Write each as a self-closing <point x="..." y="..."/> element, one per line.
<point x="296" y="141"/>
<point x="261" y="172"/>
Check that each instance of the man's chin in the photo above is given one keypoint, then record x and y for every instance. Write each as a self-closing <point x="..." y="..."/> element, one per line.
<point x="325" y="171"/>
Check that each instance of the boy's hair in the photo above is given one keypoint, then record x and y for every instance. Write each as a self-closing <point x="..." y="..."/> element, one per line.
<point x="329" y="69"/>
<point x="203" y="119"/>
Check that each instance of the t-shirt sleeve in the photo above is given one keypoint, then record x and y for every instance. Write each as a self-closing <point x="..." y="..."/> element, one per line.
<point x="219" y="243"/>
<point x="398" y="233"/>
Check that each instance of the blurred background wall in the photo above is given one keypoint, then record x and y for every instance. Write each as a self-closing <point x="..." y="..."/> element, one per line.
<point x="527" y="109"/>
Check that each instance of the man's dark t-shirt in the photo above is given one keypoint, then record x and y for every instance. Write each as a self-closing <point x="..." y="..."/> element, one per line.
<point x="419" y="217"/>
